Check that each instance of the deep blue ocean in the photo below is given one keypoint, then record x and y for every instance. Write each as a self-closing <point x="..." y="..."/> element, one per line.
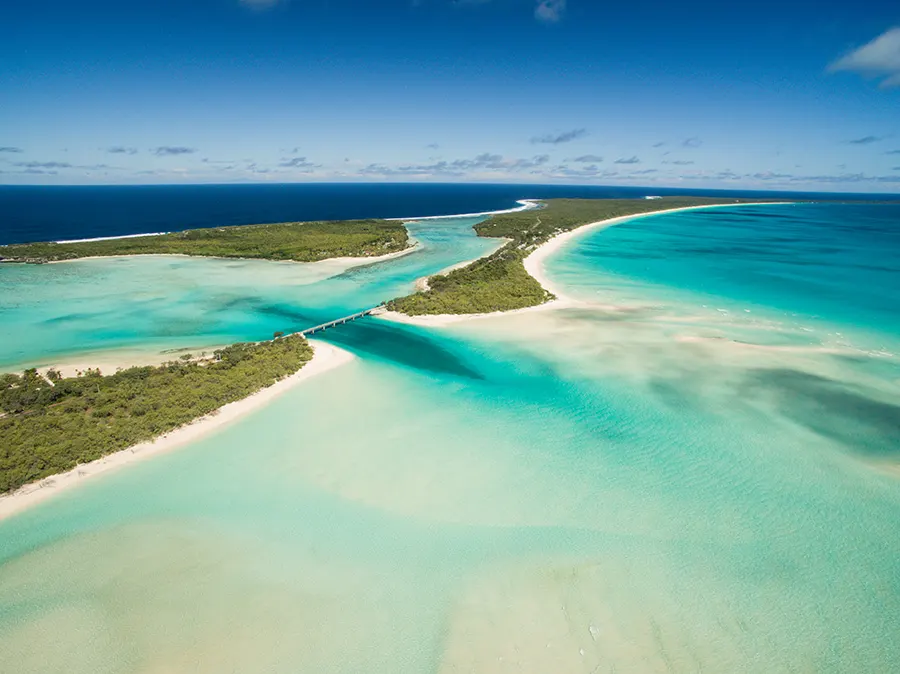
<point x="41" y="213"/>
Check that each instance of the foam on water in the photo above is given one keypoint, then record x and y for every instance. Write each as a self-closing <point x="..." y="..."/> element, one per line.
<point x="662" y="488"/>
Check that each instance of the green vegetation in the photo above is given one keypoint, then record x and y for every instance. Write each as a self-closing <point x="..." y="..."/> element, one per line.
<point x="299" y="241"/>
<point x="499" y="281"/>
<point x="52" y="424"/>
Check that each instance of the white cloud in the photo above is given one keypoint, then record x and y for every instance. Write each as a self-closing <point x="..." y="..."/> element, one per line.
<point x="550" y="11"/>
<point x="878" y="58"/>
<point x="485" y="163"/>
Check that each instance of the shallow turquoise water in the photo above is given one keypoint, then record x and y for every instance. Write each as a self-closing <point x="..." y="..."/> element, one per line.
<point x="820" y="264"/>
<point x="639" y="484"/>
<point x="167" y="302"/>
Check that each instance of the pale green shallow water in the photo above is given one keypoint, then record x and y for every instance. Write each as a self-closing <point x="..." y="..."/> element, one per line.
<point x="573" y="491"/>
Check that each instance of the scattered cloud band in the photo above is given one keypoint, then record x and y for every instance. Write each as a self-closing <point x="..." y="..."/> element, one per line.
<point x="172" y="150"/>
<point x="865" y="140"/>
<point x="564" y="137"/>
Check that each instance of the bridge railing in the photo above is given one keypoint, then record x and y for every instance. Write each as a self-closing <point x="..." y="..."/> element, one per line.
<point x="338" y="321"/>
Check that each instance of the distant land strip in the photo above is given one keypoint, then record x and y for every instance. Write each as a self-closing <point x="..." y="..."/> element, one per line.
<point x="296" y="241"/>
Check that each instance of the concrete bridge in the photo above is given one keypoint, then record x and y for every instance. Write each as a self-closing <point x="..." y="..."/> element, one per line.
<point x="339" y="321"/>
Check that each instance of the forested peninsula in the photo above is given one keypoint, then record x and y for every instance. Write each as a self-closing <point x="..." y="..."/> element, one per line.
<point x="50" y="424"/>
<point x="297" y="241"/>
<point x="499" y="282"/>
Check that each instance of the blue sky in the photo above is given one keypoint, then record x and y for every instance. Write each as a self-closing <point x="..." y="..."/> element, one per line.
<point x="773" y="95"/>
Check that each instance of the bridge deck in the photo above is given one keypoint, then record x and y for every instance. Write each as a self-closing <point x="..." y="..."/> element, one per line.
<point x="336" y="322"/>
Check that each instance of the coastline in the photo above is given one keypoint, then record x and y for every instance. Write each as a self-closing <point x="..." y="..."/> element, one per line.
<point x="109" y="362"/>
<point x="534" y="265"/>
<point x="325" y="357"/>
<point x="113" y="360"/>
<point x="422" y="281"/>
<point x="112" y="238"/>
<point x="524" y="205"/>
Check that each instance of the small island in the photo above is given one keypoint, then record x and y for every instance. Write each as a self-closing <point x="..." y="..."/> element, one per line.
<point x="50" y="424"/>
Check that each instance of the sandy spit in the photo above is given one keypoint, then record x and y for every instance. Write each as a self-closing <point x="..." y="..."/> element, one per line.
<point x="110" y="362"/>
<point x="326" y="357"/>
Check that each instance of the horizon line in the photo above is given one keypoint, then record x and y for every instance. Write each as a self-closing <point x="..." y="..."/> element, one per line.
<point x="473" y="183"/>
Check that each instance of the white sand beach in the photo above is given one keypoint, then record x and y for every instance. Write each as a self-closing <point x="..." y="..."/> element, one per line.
<point x="441" y="320"/>
<point x="348" y="262"/>
<point x="534" y="263"/>
<point x="326" y="357"/>
<point x="112" y="238"/>
<point x="109" y="362"/>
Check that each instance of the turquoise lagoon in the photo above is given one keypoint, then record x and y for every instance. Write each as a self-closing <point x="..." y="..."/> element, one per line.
<point x="159" y="302"/>
<point x="693" y="470"/>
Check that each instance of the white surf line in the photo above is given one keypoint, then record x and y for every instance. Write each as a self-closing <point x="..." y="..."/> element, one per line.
<point x="112" y="238"/>
<point x="525" y="205"/>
